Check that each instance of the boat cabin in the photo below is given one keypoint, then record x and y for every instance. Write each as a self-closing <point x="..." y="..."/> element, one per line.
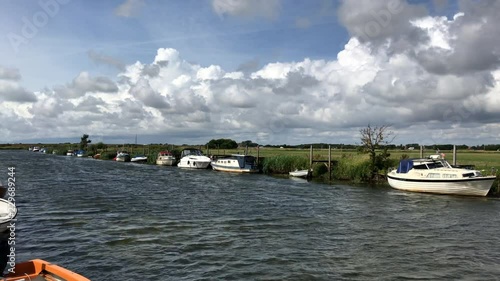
<point x="191" y="152"/>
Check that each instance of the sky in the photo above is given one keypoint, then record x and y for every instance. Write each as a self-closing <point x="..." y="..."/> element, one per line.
<point x="269" y="71"/>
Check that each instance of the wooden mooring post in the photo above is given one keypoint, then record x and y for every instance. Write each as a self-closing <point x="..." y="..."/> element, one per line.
<point x="329" y="162"/>
<point x="454" y="155"/>
<point x="258" y="155"/>
<point x="310" y="157"/>
<point x="421" y="151"/>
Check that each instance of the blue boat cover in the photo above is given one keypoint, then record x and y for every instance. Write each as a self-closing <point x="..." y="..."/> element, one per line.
<point x="404" y="166"/>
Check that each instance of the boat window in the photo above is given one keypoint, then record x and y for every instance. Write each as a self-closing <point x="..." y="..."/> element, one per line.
<point x="433" y="175"/>
<point x="435" y="165"/>
<point x="449" y="176"/>
<point x="420" y="167"/>
<point x="468" y="175"/>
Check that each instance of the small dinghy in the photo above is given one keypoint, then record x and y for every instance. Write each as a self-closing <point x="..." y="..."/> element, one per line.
<point x="300" y="173"/>
<point x="41" y="270"/>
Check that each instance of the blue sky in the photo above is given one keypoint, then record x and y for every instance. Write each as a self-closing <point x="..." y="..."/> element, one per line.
<point x="272" y="71"/>
<point x="192" y="27"/>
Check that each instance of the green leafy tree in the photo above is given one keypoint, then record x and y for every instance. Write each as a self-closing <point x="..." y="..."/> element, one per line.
<point x="248" y="143"/>
<point x="84" y="141"/>
<point x="222" y="144"/>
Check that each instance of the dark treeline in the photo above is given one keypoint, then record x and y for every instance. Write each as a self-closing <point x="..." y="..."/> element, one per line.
<point x="231" y="144"/>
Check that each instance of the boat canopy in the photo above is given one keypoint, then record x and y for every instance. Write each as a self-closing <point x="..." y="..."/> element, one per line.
<point x="245" y="159"/>
<point x="405" y="165"/>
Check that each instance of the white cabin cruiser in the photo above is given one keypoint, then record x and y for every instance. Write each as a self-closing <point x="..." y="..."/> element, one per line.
<point x="236" y="163"/>
<point x="165" y="158"/>
<point x="123" y="156"/>
<point x="194" y="159"/>
<point x="436" y="175"/>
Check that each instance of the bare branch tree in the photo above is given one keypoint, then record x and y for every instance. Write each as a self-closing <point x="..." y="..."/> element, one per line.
<point x="372" y="138"/>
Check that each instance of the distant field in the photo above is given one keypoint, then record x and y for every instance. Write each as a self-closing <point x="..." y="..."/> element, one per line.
<point x="480" y="159"/>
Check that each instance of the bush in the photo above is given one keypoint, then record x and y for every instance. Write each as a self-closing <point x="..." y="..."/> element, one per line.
<point x="319" y="169"/>
<point x="348" y="168"/>
<point x="108" y="155"/>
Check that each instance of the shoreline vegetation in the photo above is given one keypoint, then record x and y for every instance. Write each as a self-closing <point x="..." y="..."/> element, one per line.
<point x="348" y="165"/>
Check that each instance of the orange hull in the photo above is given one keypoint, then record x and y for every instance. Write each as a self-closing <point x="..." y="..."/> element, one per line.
<point x="42" y="270"/>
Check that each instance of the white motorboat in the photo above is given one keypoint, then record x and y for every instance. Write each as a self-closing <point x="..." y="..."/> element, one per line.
<point x="70" y="153"/>
<point x="36" y="149"/>
<point x="122" y="156"/>
<point x="301" y="173"/>
<point x="139" y="159"/>
<point x="165" y="158"/>
<point x="8" y="212"/>
<point x="436" y="175"/>
<point x="236" y="163"/>
<point x="194" y="159"/>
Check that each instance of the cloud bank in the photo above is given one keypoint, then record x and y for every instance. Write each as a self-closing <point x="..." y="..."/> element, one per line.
<point x="434" y="79"/>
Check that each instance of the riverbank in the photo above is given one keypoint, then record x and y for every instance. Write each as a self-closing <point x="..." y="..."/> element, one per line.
<point x="346" y="165"/>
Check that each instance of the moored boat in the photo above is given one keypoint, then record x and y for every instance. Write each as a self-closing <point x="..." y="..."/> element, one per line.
<point x="300" y="173"/>
<point x="236" y="163"/>
<point x="193" y="158"/>
<point x="436" y="175"/>
<point x="70" y="152"/>
<point x="140" y="158"/>
<point x="122" y="156"/>
<point x="41" y="270"/>
<point x="165" y="158"/>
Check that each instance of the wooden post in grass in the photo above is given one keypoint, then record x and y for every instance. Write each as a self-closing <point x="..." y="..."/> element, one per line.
<point x="329" y="162"/>
<point x="258" y="155"/>
<point x="311" y="157"/>
<point x="454" y="155"/>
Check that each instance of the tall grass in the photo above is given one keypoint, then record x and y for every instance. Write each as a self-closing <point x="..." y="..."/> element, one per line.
<point x="283" y="164"/>
<point x="354" y="168"/>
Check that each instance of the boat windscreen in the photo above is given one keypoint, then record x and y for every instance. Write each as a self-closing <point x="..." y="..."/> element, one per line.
<point x="435" y="165"/>
<point x="405" y="165"/>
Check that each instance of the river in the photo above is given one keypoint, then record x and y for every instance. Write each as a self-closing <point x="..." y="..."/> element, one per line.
<point x="123" y="221"/>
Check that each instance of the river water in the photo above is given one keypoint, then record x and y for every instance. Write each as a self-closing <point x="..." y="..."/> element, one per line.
<point x="123" y="221"/>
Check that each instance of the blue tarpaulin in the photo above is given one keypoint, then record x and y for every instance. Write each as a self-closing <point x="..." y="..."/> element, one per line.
<point x="404" y="166"/>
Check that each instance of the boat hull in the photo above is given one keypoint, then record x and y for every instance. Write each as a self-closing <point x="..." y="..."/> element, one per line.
<point x="165" y="162"/>
<point x="194" y="164"/>
<point x="233" y="169"/>
<point x="300" y="174"/>
<point x="479" y="186"/>
<point x="42" y="270"/>
<point x="123" y="159"/>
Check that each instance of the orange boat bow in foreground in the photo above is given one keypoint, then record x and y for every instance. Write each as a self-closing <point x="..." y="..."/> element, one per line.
<point x="41" y="270"/>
